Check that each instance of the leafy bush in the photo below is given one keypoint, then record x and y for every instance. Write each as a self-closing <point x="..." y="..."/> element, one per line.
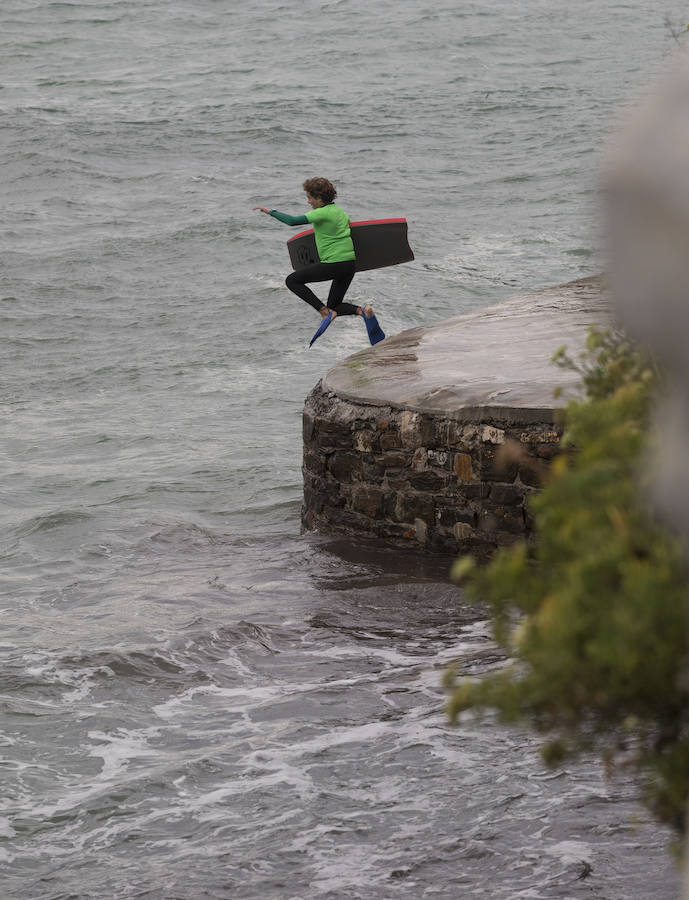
<point x="593" y="613"/>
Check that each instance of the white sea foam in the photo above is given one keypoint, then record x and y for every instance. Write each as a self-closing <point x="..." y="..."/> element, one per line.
<point x="571" y="852"/>
<point x="119" y="749"/>
<point x="6" y="830"/>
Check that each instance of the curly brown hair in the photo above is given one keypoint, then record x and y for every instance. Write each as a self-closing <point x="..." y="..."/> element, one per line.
<point x="321" y="188"/>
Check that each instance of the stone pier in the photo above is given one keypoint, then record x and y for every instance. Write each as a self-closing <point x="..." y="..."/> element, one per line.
<point x="438" y="435"/>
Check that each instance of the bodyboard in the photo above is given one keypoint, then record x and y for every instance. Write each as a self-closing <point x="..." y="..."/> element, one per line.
<point x="377" y="243"/>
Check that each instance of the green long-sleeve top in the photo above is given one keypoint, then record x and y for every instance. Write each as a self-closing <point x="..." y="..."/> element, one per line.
<point x="331" y="230"/>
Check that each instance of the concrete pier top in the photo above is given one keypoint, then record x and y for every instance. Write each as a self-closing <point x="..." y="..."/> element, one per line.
<point x="494" y="363"/>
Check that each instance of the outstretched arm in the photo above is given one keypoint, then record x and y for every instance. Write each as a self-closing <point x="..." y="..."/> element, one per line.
<point x="284" y="217"/>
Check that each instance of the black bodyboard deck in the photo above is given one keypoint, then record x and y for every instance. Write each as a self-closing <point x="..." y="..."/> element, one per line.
<point x="377" y="243"/>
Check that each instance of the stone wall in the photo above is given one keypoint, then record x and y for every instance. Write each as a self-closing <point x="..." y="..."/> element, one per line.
<point x="438" y="435"/>
<point x="447" y="483"/>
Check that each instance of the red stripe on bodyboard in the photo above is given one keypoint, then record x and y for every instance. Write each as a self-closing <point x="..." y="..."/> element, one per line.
<point x="366" y="222"/>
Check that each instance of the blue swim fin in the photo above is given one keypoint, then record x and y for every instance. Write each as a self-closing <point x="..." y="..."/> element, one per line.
<point x="321" y="328"/>
<point x="375" y="332"/>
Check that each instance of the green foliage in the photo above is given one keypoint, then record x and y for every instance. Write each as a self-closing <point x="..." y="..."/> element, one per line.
<point x="593" y="613"/>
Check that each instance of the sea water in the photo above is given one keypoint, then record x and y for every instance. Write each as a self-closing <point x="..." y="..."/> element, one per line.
<point x="196" y="700"/>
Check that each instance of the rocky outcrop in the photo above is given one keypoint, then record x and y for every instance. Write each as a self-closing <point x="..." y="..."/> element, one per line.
<point x="439" y="435"/>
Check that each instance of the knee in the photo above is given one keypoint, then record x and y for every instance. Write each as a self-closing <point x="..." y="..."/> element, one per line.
<point x="290" y="281"/>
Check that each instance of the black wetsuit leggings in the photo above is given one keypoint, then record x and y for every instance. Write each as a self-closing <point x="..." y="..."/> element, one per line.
<point x="340" y="273"/>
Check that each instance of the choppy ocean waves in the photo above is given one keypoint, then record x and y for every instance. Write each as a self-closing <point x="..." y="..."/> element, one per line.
<point x="286" y="759"/>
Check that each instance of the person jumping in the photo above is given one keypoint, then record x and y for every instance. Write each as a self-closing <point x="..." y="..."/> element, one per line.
<point x="336" y="254"/>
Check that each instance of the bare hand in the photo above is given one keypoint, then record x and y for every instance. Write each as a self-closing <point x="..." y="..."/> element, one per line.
<point x="263" y="209"/>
